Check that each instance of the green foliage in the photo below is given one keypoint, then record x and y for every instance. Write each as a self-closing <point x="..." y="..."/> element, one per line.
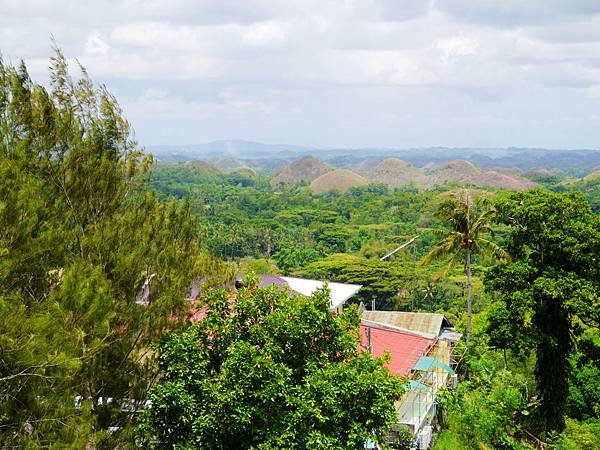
<point x="381" y="280"/>
<point x="78" y="239"/>
<point x="258" y="265"/>
<point x="469" y="220"/>
<point x="584" y="388"/>
<point x="589" y="186"/>
<point x="182" y="180"/>
<point x="291" y="259"/>
<point x="333" y="238"/>
<point x="269" y="370"/>
<point x="579" y="435"/>
<point x="488" y="409"/>
<point x="84" y="226"/>
<point x="448" y="440"/>
<point x="240" y="220"/>
<point x="553" y="281"/>
<point x="418" y="292"/>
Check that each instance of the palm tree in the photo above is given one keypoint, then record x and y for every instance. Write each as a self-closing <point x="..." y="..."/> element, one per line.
<point x="470" y="226"/>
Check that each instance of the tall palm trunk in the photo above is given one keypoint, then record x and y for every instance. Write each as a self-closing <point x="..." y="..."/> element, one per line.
<point x="469" y="293"/>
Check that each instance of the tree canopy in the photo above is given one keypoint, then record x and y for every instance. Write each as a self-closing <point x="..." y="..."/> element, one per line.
<point x="100" y="247"/>
<point x="268" y="369"/>
<point x="550" y="291"/>
<point x="79" y="237"/>
<point x="469" y="226"/>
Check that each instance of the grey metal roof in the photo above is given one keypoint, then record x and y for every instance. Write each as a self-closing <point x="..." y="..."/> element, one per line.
<point x="270" y="280"/>
<point x="426" y="324"/>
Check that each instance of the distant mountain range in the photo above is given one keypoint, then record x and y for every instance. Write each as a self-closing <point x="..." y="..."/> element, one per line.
<point x="271" y="157"/>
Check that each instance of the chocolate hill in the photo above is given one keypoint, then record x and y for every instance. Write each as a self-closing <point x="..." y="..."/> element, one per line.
<point x="202" y="166"/>
<point x="396" y="173"/>
<point x="337" y="180"/>
<point x="308" y="169"/>
<point x="229" y="164"/>
<point x="466" y="173"/>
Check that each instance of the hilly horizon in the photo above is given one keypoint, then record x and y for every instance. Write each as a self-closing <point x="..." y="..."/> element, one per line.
<point x="396" y="173"/>
<point x="392" y="172"/>
<point x="273" y="157"/>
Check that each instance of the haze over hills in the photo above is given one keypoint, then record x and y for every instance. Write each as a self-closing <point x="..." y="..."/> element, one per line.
<point x="228" y="164"/>
<point x="340" y="169"/>
<point x="272" y="157"/>
<point x="595" y="175"/>
<point x="202" y="166"/>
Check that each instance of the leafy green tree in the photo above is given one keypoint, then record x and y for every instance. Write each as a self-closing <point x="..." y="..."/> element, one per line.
<point x="78" y="239"/>
<point x="419" y="293"/>
<point x="290" y="259"/>
<point x="579" y="436"/>
<point x="584" y="387"/>
<point x="381" y="280"/>
<point x="550" y="290"/>
<point x="333" y="238"/>
<point x="269" y="370"/>
<point x="485" y="409"/>
<point x="470" y="220"/>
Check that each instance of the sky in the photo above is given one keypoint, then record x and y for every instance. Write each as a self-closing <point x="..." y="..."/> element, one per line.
<point x="331" y="73"/>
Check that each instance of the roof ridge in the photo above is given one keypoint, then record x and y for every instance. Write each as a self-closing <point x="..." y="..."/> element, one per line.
<point x="408" y="312"/>
<point x="387" y="326"/>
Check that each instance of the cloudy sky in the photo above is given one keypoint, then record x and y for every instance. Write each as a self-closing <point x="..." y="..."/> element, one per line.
<point x="352" y="73"/>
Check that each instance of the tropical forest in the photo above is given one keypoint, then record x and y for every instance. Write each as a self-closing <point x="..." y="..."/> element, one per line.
<point x="134" y="313"/>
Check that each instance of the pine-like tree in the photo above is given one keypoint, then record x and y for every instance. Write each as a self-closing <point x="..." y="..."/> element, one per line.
<point x="79" y="236"/>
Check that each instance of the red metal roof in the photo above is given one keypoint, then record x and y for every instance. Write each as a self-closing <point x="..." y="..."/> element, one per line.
<point x="405" y="349"/>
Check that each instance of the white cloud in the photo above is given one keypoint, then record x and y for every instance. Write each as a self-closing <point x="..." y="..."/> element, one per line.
<point x="95" y="45"/>
<point x="594" y="92"/>
<point x="156" y="103"/>
<point x="264" y="34"/>
<point x="458" y="46"/>
<point x="327" y="67"/>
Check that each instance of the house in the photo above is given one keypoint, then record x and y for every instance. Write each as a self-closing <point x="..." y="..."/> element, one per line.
<point x="421" y="347"/>
<point x="339" y="293"/>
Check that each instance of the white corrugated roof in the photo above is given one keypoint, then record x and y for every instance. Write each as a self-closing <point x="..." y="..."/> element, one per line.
<point x="340" y="292"/>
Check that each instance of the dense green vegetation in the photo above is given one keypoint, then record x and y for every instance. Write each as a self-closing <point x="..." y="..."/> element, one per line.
<point x="467" y="236"/>
<point x="508" y="399"/>
<point x="550" y="290"/>
<point x="87" y="221"/>
<point x="270" y="370"/>
<point x="78" y="239"/>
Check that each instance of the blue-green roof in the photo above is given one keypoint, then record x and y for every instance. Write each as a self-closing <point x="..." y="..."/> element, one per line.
<point x="426" y="363"/>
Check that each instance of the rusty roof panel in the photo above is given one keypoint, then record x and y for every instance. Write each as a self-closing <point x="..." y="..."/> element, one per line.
<point x="426" y="324"/>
